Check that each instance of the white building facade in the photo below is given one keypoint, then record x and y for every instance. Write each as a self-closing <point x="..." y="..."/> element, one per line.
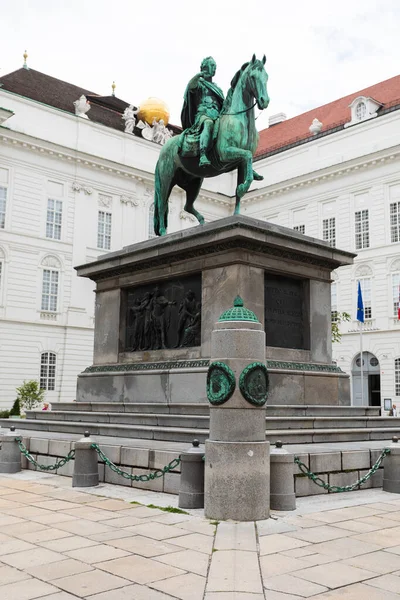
<point x="344" y="188"/>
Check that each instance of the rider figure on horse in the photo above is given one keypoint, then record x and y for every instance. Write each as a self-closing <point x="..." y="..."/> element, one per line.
<point x="203" y="102"/>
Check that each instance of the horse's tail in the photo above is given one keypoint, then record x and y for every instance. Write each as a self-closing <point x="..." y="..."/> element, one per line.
<point x="157" y="200"/>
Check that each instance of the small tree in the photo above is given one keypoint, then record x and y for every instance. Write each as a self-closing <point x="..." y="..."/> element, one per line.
<point x="339" y="317"/>
<point x="30" y="394"/>
<point x="16" y="409"/>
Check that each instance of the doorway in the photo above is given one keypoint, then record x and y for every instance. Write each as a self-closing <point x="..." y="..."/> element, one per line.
<point x="369" y="394"/>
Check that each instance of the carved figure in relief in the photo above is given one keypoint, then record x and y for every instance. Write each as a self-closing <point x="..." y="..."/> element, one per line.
<point x="129" y="118"/>
<point x="160" y="304"/>
<point x="187" y="311"/>
<point x="192" y="334"/>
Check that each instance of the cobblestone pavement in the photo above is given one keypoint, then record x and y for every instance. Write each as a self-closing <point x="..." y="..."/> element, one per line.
<point x="61" y="543"/>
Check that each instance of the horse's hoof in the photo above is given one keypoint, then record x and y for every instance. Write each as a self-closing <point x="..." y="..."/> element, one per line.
<point x="163" y="231"/>
<point x="241" y="190"/>
<point x="257" y="177"/>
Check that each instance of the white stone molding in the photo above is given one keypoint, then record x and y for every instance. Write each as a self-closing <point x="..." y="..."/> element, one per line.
<point x="363" y="271"/>
<point x="395" y="265"/>
<point x="79" y="187"/>
<point x="334" y="276"/>
<point x="51" y="261"/>
<point x="105" y="201"/>
<point x="82" y="106"/>
<point x="129" y="200"/>
<point x="315" y="127"/>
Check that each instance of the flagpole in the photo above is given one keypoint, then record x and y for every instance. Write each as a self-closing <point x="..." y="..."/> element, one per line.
<point x="361" y="363"/>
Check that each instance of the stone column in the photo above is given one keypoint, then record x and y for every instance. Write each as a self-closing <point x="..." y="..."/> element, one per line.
<point x="237" y="454"/>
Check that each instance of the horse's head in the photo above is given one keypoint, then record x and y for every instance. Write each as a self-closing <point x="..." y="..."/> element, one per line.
<point x="257" y="81"/>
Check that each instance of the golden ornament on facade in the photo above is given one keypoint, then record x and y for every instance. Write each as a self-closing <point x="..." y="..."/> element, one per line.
<point x="153" y="108"/>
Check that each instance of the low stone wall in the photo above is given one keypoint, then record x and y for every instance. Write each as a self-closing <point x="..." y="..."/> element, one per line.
<point x="337" y="468"/>
<point x="139" y="461"/>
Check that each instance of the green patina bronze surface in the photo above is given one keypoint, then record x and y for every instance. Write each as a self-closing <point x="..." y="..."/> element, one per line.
<point x="219" y="136"/>
<point x="220" y="383"/>
<point x="238" y="312"/>
<point x="254" y="383"/>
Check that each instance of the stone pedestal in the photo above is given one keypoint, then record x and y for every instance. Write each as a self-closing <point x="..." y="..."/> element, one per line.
<point x="157" y="302"/>
<point x="237" y="454"/>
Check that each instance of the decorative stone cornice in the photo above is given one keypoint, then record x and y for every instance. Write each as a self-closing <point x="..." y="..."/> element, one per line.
<point x="79" y="187"/>
<point x="130" y="200"/>
<point x="307" y="181"/>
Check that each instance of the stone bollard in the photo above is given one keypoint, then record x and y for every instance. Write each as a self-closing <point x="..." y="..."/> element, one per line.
<point x="391" y="469"/>
<point x="191" y="487"/>
<point x="86" y="470"/>
<point x="282" y="479"/>
<point x="10" y="454"/>
<point x="236" y="482"/>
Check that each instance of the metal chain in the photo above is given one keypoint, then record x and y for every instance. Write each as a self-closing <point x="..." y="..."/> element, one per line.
<point x="54" y="467"/>
<point x="337" y="488"/>
<point x="155" y="475"/>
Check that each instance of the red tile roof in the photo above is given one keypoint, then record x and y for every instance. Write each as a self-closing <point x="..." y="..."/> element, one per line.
<point x="331" y="115"/>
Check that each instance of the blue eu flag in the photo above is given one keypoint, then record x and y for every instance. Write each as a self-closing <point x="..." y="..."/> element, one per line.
<point x="360" y="305"/>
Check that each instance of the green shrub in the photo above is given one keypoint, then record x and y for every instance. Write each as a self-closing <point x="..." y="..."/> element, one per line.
<point x="4" y="414"/>
<point x="30" y="395"/>
<point x="16" y="409"/>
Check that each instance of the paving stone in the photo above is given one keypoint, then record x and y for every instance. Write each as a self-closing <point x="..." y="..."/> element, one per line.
<point x="114" y="534"/>
<point x="189" y="560"/>
<point x="70" y="543"/>
<point x="358" y="591"/>
<point x="131" y="592"/>
<point x="319" y="534"/>
<point x="56" y="570"/>
<point x="84" y="527"/>
<point x="390" y="583"/>
<point x="157" y="531"/>
<point x="27" y="590"/>
<point x="278" y="564"/>
<point x="236" y="536"/>
<point x="44" y="535"/>
<point x="109" y="504"/>
<point x="89" y="513"/>
<point x="270" y="544"/>
<point x="185" y="587"/>
<point x="10" y="575"/>
<point x="60" y="596"/>
<point x="139" y="569"/>
<point x="8" y="548"/>
<point x="236" y="596"/>
<point x="143" y="546"/>
<point x="96" y="554"/>
<point x="345" y="547"/>
<point x="194" y="541"/>
<point x="234" y="571"/>
<point x="344" y="514"/>
<point x="120" y="522"/>
<point x="32" y="558"/>
<point x="383" y="538"/>
<point x="90" y="582"/>
<point x="381" y="562"/>
<point x="337" y="575"/>
<point x="203" y="526"/>
<point x="270" y="526"/>
<point x="288" y="583"/>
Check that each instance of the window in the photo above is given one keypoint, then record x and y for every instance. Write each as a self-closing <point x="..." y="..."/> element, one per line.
<point x="49" y="290"/>
<point x="362" y="229"/>
<point x="104" y="230"/>
<point x="366" y="296"/>
<point x="396" y="293"/>
<point x="3" y="201"/>
<point x="54" y="219"/>
<point x="150" y="228"/>
<point x="329" y="231"/>
<point x="361" y="111"/>
<point x="334" y="311"/>
<point x="48" y="371"/>
<point x="395" y="222"/>
<point x="397" y="376"/>
<point x="300" y="228"/>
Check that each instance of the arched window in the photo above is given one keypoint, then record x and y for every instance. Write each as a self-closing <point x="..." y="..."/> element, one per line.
<point x="361" y="111"/>
<point x="48" y="371"/>
<point x="150" y="224"/>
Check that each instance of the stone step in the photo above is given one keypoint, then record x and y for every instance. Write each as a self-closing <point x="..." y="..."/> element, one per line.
<point x="203" y="409"/>
<point x="180" y="434"/>
<point x="202" y="421"/>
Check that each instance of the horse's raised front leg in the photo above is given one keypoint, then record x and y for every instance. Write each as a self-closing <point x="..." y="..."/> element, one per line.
<point x="192" y="189"/>
<point x="232" y="154"/>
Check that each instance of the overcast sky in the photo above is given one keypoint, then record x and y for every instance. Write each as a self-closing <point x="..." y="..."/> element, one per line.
<point x="316" y="51"/>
